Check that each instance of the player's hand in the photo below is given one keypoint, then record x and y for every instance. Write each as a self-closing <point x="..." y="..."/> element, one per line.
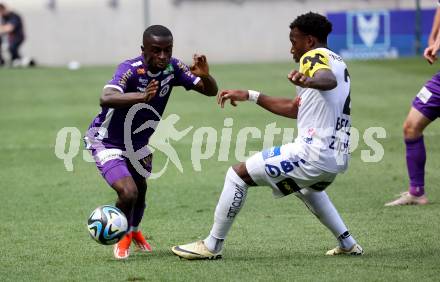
<point x="200" y="66"/>
<point x="151" y="90"/>
<point x="298" y="78"/>
<point x="430" y="53"/>
<point x="232" y="96"/>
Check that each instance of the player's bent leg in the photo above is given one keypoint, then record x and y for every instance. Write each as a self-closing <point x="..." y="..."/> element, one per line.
<point x="414" y="124"/>
<point x="413" y="127"/>
<point x="127" y="197"/>
<point x="320" y="205"/>
<point x="138" y="238"/>
<point x="229" y="205"/>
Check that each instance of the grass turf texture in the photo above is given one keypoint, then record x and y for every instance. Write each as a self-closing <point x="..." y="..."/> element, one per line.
<point x="44" y="208"/>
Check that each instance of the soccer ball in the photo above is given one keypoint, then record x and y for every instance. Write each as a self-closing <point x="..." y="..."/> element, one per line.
<point x="107" y="225"/>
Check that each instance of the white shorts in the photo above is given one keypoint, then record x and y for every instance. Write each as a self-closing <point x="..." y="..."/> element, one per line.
<point x="282" y="169"/>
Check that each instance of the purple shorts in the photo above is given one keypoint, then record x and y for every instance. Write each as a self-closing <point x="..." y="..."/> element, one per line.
<point x="114" y="166"/>
<point x="427" y="100"/>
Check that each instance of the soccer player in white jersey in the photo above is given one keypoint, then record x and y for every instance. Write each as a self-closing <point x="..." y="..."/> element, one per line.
<point x="307" y="166"/>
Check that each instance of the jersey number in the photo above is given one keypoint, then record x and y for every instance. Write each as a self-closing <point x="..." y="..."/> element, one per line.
<point x="347" y="109"/>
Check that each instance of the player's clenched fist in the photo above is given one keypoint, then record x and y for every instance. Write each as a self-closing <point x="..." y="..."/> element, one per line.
<point x="151" y="90"/>
<point x="298" y="78"/>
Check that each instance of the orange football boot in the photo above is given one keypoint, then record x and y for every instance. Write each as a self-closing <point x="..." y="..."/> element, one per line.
<point x="140" y="241"/>
<point x="121" y="250"/>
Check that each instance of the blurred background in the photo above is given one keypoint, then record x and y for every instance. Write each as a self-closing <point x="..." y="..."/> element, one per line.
<point x="103" y="32"/>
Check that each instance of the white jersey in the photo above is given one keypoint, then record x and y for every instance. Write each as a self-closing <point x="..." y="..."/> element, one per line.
<point x="324" y="116"/>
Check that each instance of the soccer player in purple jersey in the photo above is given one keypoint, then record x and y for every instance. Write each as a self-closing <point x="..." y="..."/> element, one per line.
<point x="142" y="84"/>
<point x="425" y="109"/>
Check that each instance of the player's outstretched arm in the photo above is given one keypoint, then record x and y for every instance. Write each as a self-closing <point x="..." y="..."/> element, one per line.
<point x="280" y="106"/>
<point x="323" y="79"/>
<point x="113" y="98"/>
<point x="207" y="84"/>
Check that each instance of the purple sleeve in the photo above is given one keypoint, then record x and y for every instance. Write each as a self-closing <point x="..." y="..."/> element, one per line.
<point x="121" y="78"/>
<point x="184" y="77"/>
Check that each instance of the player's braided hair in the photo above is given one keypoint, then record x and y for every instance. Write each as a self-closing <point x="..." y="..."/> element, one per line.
<point x="313" y="24"/>
<point x="156" y="30"/>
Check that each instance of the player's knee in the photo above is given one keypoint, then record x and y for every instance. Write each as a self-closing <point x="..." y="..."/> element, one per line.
<point x="410" y="130"/>
<point x="128" y="194"/>
<point x="241" y="170"/>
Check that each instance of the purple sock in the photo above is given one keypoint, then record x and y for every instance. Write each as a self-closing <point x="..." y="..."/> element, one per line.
<point x="137" y="215"/>
<point x="415" y="162"/>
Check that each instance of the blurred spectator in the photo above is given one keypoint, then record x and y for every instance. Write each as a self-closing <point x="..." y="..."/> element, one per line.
<point x="2" y="61"/>
<point x="12" y="25"/>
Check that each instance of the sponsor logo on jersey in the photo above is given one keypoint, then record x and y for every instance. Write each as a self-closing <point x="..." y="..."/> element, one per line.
<point x="309" y="138"/>
<point x="424" y="95"/>
<point x="169" y="69"/>
<point x="288" y="186"/>
<point x="143" y="81"/>
<point x="164" y="90"/>
<point x="141" y="71"/>
<point x="272" y="171"/>
<point x="167" y="79"/>
<point x="271" y="152"/>
<point x="182" y="66"/>
<point x="108" y="155"/>
<point x="123" y="81"/>
<point x="136" y="64"/>
<point x="285" y="166"/>
<point x="189" y="73"/>
<point x="317" y="59"/>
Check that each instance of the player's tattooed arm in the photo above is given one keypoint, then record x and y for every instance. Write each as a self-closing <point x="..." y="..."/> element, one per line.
<point x="323" y="79"/>
<point x="207" y="84"/>
<point x="113" y="98"/>
<point x="278" y="105"/>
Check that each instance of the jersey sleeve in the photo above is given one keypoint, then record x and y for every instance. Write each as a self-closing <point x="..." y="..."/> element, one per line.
<point x="184" y="77"/>
<point x="312" y="61"/>
<point x="121" y="78"/>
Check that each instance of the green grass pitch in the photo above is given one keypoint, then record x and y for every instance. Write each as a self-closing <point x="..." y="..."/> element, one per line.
<point x="44" y="208"/>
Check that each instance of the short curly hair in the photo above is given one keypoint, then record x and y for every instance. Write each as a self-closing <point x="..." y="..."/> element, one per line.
<point x="156" y="30"/>
<point x="313" y="24"/>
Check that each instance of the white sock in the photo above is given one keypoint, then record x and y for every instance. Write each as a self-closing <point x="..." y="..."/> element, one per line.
<point x="320" y="205"/>
<point x="228" y="206"/>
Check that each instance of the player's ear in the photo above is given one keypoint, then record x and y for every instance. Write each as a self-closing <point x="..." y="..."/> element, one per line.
<point x="142" y="48"/>
<point x="311" y="41"/>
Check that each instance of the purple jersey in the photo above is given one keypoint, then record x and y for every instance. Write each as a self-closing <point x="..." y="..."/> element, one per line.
<point x="427" y="100"/>
<point x="133" y="76"/>
<point x="433" y="84"/>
